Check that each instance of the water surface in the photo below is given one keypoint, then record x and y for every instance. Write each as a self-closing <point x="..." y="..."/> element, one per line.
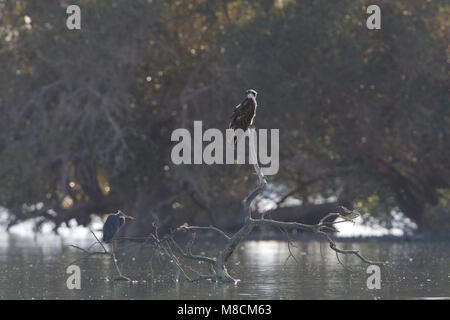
<point x="36" y="269"/>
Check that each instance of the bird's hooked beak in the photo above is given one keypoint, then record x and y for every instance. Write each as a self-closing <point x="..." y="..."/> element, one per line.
<point x="129" y="217"/>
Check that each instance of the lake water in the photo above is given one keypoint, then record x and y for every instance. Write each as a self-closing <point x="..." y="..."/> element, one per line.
<point x="36" y="269"/>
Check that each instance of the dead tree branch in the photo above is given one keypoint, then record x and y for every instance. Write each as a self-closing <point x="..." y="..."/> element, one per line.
<point x="219" y="263"/>
<point x="179" y="256"/>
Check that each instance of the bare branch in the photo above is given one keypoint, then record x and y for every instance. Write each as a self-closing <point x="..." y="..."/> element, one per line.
<point x="187" y="227"/>
<point x="168" y="247"/>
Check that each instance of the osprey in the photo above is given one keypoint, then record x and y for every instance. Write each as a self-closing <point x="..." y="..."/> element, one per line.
<point x="244" y="113"/>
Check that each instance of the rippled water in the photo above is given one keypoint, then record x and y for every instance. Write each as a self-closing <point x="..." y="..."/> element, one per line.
<point x="36" y="269"/>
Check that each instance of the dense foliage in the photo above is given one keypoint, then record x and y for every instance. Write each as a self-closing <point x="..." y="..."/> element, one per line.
<point x="86" y="116"/>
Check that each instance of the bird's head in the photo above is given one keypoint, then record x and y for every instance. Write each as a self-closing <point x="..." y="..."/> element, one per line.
<point x="251" y="93"/>
<point x="124" y="216"/>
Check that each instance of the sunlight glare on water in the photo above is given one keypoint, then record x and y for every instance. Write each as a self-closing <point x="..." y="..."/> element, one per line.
<point x="35" y="268"/>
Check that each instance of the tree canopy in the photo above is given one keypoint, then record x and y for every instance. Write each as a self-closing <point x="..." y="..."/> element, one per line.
<point x="86" y="115"/>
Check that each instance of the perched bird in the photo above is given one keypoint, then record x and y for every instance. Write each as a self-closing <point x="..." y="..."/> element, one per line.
<point x="113" y="224"/>
<point x="244" y="113"/>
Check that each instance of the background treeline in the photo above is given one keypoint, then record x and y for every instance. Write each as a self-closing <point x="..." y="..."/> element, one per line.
<point x="86" y="116"/>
